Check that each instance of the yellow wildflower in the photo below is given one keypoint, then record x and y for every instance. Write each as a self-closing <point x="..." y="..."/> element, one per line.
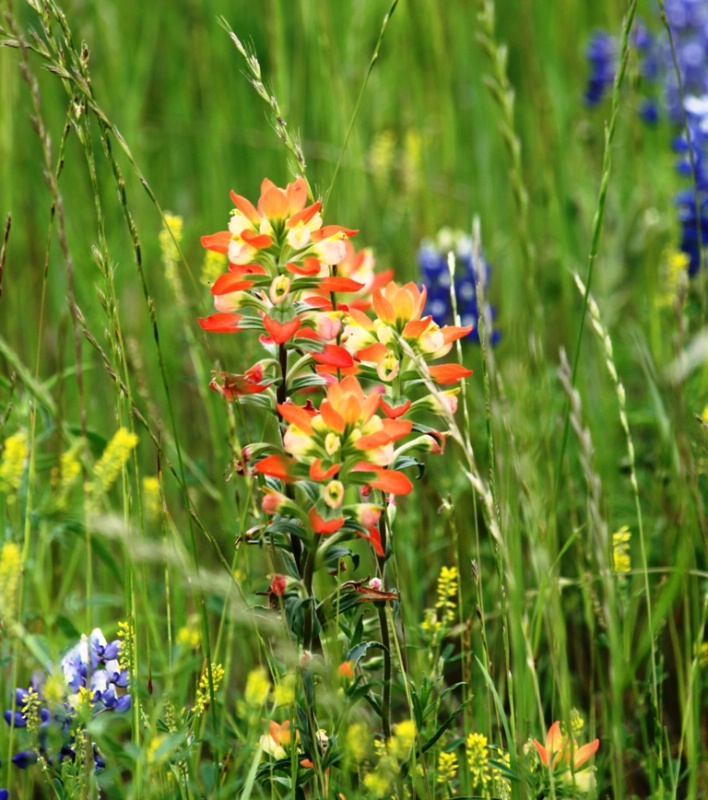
<point x="114" y="458"/>
<point x="214" y="264"/>
<point x="447" y="767"/>
<point x="403" y="739"/>
<point x="30" y="710"/>
<point x="356" y="742"/>
<point x="257" y="688"/>
<point x="10" y="567"/>
<point x="478" y="759"/>
<point x="153" y="747"/>
<point x="188" y="635"/>
<point x="203" y="694"/>
<point x="64" y="475"/>
<point x="447" y="592"/>
<point x="577" y="723"/>
<point x="284" y="691"/>
<point x="673" y="276"/>
<point x="12" y="466"/>
<point x="151" y="497"/>
<point x="382" y="157"/>
<point x="378" y="783"/>
<point x="126" y="635"/>
<point x="170" y="237"/>
<point x="621" y="561"/>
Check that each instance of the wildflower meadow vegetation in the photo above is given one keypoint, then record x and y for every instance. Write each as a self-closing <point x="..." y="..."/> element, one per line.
<point x="353" y="399"/>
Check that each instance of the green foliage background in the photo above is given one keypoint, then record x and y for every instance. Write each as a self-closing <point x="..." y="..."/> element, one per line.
<point x="168" y="77"/>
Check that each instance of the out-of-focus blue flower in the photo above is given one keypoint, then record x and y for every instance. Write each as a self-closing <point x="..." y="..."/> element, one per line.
<point x="4" y="794"/>
<point x="692" y="203"/>
<point x="25" y="758"/>
<point x="432" y="259"/>
<point x="601" y="55"/>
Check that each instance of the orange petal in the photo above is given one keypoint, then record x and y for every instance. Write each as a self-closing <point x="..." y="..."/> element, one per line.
<point x="255" y="240"/>
<point x="297" y="416"/>
<point x="554" y="737"/>
<point x="334" y="355"/>
<point x="416" y="327"/>
<point x="585" y="752"/>
<point x="296" y="194"/>
<point x="372" y="440"/>
<point x="228" y="282"/>
<point x="374" y="539"/>
<point x="382" y="307"/>
<point x="311" y="266"/>
<point x="281" y="332"/>
<point x="324" y="526"/>
<point x="317" y="473"/>
<point x="374" y="352"/>
<point x="397" y="429"/>
<point x="333" y="420"/>
<point x="247" y="269"/>
<point x="451" y="333"/>
<point x="277" y="466"/>
<point x="273" y="202"/>
<point x="393" y="412"/>
<point x="542" y="752"/>
<point x="449" y="373"/>
<point x="218" y="242"/>
<point x="340" y="285"/>
<point x="331" y="230"/>
<point x="221" y="323"/>
<point x="246" y="208"/>
<point x="303" y="216"/>
<point x="388" y="480"/>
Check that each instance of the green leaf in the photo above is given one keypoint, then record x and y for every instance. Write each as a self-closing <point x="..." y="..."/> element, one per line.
<point x="359" y="651"/>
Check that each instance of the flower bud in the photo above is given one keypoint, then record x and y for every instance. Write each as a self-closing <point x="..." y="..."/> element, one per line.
<point x="279" y="289"/>
<point x="334" y="494"/>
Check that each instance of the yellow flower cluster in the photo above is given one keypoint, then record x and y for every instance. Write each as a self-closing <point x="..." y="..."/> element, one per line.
<point x="674" y="275"/>
<point x="214" y="264"/>
<point x="188" y="635"/>
<point x="30" y="710"/>
<point x="621" y="561"/>
<point x="65" y="475"/>
<point x="12" y="466"/>
<point x="443" y="615"/>
<point x="114" y="458"/>
<point x="151" y="497"/>
<point x="170" y="237"/>
<point x="447" y="592"/>
<point x="478" y="760"/>
<point x="10" y="567"/>
<point x="447" y="767"/>
<point x="257" y="688"/>
<point x="126" y="635"/>
<point x="203" y="696"/>
<point x="356" y="742"/>
<point x="284" y="691"/>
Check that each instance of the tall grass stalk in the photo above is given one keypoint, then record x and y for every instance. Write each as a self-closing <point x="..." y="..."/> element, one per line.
<point x="598" y="220"/>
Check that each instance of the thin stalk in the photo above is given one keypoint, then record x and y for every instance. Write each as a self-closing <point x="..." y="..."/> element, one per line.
<point x="373" y="60"/>
<point x="597" y="223"/>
